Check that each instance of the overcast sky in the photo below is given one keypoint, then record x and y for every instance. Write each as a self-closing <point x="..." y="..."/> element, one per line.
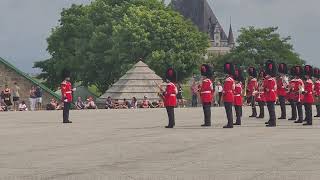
<point x="25" y="24"/>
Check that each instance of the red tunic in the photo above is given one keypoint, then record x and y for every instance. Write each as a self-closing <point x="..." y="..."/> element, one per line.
<point x="66" y="91"/>
<point x="270" y="90"/>
<point x="308" y="92"/>
<point x="206" y="91"/>
<point x="282" y="89"/>
<point x="317" y="88"/>
<point x="290" y="94"/>
<point x="170" y="94"/>
<point x="296" y="96"/>
<point x="237" y="95"/>
<point x="260" y="97"/>
<point x="228" y="89"/>
<point x="252" y="87"/>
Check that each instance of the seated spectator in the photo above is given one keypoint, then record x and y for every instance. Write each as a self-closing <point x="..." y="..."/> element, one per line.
<point x="7" y="96"/>
<point x="134" y="103"/>
<point x="125" y="104"/>
<point x="116" y="104"/>
<point x="109" y="103"/>
<point x="59" y="106"/>
<point x="160" y="104"/>
<point x="90" y="104"/>
<point x="3" y="106"/>
<point x="80" y="104"/>
<point x="52" y="105"/>
<point x="145" y="103"/>
<point x="23" y="106"/>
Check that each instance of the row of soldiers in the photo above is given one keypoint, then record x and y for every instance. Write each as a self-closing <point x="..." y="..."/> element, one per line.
<point x="265" y="87"/>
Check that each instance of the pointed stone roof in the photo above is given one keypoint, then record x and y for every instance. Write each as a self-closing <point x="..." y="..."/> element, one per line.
<point x="230" y="37"/>
<point x="137" y="82"/>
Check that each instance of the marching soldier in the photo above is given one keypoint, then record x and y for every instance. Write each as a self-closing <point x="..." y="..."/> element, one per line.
<point x="251" y="88"/>
<point x="316" y="75"/>
<point x="228" y="96"/>
<point x="291" y="95"/>
<point x="308" y="94"/>
<point x="282" y="84"/>
<point x="206" y="93"/>
<point x="66" y="93"/>
<point x="270" y="88"/>
<point x="169" y="96"/>
<point x="238" y="96"/>
<point x="298" y="88"/>
<point x="260" y="97"/>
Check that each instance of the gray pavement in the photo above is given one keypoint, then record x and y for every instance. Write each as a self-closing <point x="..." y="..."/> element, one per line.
<point x="132" y="144"/>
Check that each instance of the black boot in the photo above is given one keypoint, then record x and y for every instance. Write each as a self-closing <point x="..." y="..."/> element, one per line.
<point x="299" y="121"/>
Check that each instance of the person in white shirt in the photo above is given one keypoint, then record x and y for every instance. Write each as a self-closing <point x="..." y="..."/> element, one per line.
<point x="23" y="106"/>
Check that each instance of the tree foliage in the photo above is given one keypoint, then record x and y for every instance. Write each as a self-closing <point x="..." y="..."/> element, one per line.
<point x="100" y="41"/>
<point x="256" y="45"/>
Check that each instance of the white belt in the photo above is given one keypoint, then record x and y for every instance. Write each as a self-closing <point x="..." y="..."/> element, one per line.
<point x="238" y="95"/>
<point x="172" y="95"/>
<point x="68" y="92"/>
<point x="206" y="92"/>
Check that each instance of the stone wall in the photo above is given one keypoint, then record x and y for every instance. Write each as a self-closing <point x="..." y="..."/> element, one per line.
<point x="9" y="75"/>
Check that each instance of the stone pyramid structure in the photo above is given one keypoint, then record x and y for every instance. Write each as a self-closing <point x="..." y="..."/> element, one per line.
<point x="137" y="82"/>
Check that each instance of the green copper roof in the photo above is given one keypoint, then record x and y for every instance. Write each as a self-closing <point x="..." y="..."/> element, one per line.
<point x="43" y="87"/>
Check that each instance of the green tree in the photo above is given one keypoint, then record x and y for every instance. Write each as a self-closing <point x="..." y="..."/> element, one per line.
<point x="100" y="41"/>
<point x="256" y="45"/>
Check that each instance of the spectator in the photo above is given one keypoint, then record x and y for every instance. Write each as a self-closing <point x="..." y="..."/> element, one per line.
<point x="23" y="106"/>
<point x="145" y="103"/>
<point x="126" y="104"/>
<point x="179" y="95"/>
<point x="79" y="104"/>
<point x="116" y="104"/>
<point x="38" y="94"/>
<point x="160" y="104"/>
<point x="59" y="106"/>
<point x="7" y="96"/>
<point x="3" y="106"/>
<point x="33" y="98"/>
<point x="219" y="90"/>
<point x="134" y="103"/>
<point x="109" y="103"/>
<point x="16" y="96"/>
<point x="52" y="105"/>
<point x="194" y="91"/>
<point x="90" y="104"/>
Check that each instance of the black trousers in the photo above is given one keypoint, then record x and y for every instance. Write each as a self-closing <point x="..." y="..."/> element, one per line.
<point x="293" y="105"/>
<point x="194" y="100"/>
<point x="219" y="99"/>
<point x="272" y="113"/>
<point x="66" y="109"/>
<point x="253" y="106"/>
<point x="318" y="110"/>
<point x="207" y="113"/>
<point x="238" y="110"/>
<point x="282" y="101"/>
<point x="308" y="109"/>
<point x="300" y="111"/>
<point x="170" y="112"/>
<point x="261" y="107"/>
<point x="228" y="108"/>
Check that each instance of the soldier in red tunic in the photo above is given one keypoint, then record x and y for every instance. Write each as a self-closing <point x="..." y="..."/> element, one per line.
<point x="66" y="93"/>
<point x="291" y="95"/>
<point x="297" y="92"/>
<point x="238" y="95"/>
<point x="270" y="90"/>
<point x="260" y="97"/>
<point x="170" y="99"/>
<point x="228" y="95"/>
<point x="316" y="75"/>
<point x="206" y="93"/>
<point x="282" y="84"/>
<point x="308" y="99"/>
<point x="251" y="89"/>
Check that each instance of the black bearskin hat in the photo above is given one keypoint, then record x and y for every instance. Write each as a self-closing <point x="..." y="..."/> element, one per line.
<point x="308" y="70"/>
<point x="65" y="73"/>
<point x="252" y="72"/>
<point x="270" y="68"/>
<point x="171" y="75"/>
<point x="206" y="70"/>
<point x="282" y="68"/>
<point x="229" y="68"/>
<point x="297" y="71"/>
<point x="238" y="75"/>
<point x="316" y="72"/>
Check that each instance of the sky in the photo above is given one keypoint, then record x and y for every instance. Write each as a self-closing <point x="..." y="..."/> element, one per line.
<point x="25" y="24"/>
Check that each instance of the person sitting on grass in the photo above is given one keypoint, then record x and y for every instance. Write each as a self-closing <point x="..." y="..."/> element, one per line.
<point x="52" y="105"/>
<point x="79" y="104"/>
<point x="23" y="106"/>
<point x="109" y="103"/>
<point x="116" y="104"/>
<point x="125" y="104"/>
<point x="90" y="104"/>
<point x="134" y="103"/>
<point x="145" y="103"/>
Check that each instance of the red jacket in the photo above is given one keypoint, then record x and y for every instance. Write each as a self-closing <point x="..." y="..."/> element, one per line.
<point x="290" y="94"/>
<point x="308" y="92"/>
<point x="170" y="94"/>
<point x="317" y="88"/>
<point x="252" y="87"/>
<point x="260" y="97"/>
<point x="296" y="96"/>
<point x="66" y="91"/>
<point x="270" y="90"/>
<point x="282" y="87"/>
<point x="228" y="89"/>
<point x="206" y="91"/>
<point x="238" y="94"/>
